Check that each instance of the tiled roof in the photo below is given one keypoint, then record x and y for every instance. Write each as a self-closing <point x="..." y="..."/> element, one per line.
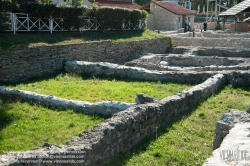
<point x="236" y="9"/>
<point x="128" y="5"/>
<point x="174" y="8"/>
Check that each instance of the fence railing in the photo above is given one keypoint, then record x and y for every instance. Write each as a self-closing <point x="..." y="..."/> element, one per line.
<point x="24" y="22"/>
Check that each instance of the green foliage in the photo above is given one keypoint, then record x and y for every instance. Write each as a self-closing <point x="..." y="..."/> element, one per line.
<point x="38" y="10"/>
<point x="75" y="3"/>
<point x="202" y="114"/>
<point x="109" y="18"/>
<point x="144" y="14"/>
<point x="5" y="7"/>
<point x="28" y="1"/>
<point x="90" y="12"/>
<point x="142" y="2"/>
<point x="105" y="17"/>
<point x="135" y="16"/>
<point x="110" y="21"/>
<point x="71" y="16"/>
<point x="46" y="1"/>
<point x="94" y="4"/>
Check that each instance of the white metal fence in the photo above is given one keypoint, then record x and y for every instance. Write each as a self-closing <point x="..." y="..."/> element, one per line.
<point x="23" y="22"/>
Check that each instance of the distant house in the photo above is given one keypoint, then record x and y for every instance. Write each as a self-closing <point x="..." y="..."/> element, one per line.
<point x="129" y="4"/>
<point x="167" y="15"/>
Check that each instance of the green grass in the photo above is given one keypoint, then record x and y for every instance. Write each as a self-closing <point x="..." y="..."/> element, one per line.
<point x="24" y="127"/>
<point x="187" y="141"/>
<point x="93" y="90"/>
<point x="33" y="39"/>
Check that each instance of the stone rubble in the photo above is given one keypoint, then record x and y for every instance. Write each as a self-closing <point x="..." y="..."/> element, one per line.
<point x="231" y="143"/>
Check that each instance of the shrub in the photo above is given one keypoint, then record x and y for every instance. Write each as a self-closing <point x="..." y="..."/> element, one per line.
<point x="108" y="18"/>
<point x="110" y="21"/>
<point x="5" y="7"/>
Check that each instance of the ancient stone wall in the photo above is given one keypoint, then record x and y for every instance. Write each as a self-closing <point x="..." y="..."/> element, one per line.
<point x="136" y="73"/>
<point x="213" y="34"/>
<point x="21" y="64"/>
<point x="118" y="133"/>
<point x="238" y="43"/>
<point x="106" y="108"/>
<point x="211" y="51"/>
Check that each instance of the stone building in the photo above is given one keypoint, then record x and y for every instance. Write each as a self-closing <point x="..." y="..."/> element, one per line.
<point x="167" y="15"/>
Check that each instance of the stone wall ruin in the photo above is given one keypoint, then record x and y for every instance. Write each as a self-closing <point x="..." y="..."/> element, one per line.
<point x="126" y="128"/>
<point x="26" y="63"/>
<point x="120" y="132"/>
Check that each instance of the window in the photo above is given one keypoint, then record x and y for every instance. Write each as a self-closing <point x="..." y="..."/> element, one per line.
<point x="179" y="19"/>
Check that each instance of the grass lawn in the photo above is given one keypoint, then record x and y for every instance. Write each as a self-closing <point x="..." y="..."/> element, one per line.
<point x="24" y="127"/>
<point x="93" y="89"/>
<point x="32" y="39"/>
<point x="187" y="141"/>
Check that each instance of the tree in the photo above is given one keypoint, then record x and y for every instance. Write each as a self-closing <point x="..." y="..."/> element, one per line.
<point x="75" y="2"/>
<point x="28" y="1"/>
<point x="142" y="2"/>
<point x="46" y="1"/>
<point x="5" y="7"/>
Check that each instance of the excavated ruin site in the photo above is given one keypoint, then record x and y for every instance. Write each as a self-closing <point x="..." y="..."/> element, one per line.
<point x="210" y="60"/>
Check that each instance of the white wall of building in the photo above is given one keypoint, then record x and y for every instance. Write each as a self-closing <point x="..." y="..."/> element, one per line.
<point x="162" y="19"/>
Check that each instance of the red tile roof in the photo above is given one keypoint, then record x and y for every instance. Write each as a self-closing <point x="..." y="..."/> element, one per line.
<point x="174" y="8"/>
<point x="128" y="5"/>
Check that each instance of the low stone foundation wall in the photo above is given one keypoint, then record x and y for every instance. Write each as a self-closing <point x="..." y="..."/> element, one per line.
<point x="187" y="62"/>
<point x="236" y="78"/>
<point x="224" y="52"/>
<point x="22" y="64"/>
<point x="211" y="51"/>
<point x="238" y="43"/>
<point x="212" y="34"/>
<point x="105" y="109"/>
<point x="137" y="73"/>
<point x="224" y="35"/>
<point x="118" y="133"/>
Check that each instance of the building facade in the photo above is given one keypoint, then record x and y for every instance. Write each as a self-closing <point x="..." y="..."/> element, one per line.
<point x="167" y="15"/>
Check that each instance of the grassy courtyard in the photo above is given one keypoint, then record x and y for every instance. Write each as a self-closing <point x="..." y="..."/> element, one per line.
<point x="24" y="127"/>
<point x="187" y="141"/>
<point x="94" y="89"/>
